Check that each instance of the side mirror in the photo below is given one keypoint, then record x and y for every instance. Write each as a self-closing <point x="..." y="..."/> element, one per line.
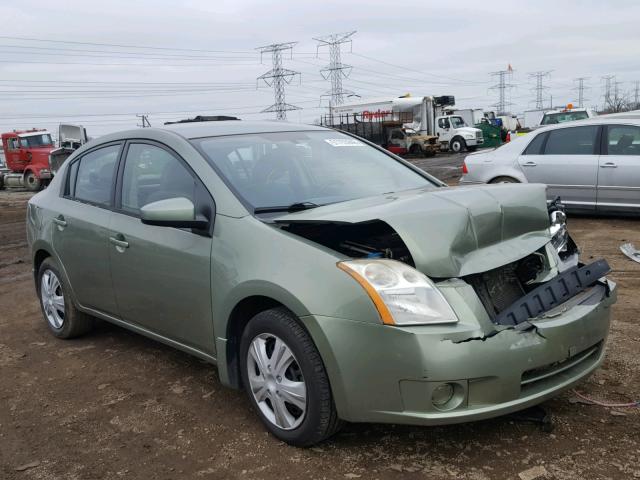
<point x="176" y="212"/>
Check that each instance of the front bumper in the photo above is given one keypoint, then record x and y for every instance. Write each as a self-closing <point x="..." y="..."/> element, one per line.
<point x="388" y="374"/>
<point x="473" y="142"/>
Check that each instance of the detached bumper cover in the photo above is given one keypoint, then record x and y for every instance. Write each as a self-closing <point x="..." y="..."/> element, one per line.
<point x="553" y="293"/>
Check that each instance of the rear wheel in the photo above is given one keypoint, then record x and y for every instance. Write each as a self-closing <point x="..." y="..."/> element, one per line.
<point x="285" y="379"/>
<point x="415" y="150"/>
<point x="61" y="315"/>
<point x="31" y="182"/>
<point x="504" y="180"/>
<point x="457" y="144"/>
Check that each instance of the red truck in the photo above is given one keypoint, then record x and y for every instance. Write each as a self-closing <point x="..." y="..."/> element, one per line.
<point x="26" y="154"/>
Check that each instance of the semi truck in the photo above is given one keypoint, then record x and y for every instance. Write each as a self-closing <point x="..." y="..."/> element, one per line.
<point x="26" y="154"/>
<point x="423" y="118"/>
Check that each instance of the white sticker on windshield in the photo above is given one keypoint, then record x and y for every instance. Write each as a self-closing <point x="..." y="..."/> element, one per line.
<point x="344" y="142"/>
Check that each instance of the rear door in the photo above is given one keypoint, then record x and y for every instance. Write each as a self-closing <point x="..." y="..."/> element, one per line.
<point x="80" y="231"/>
<point x="619" y="169"/>
<point x="161" y="275"/>
<point x="566" y="159"/>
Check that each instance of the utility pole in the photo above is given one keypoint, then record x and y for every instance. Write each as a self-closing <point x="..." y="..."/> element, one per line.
<point x="636" y="95"/>
<point x="336" y="70"/>
<point x="581" y="88"/>
<point x="278" y="77"/>
<point x="540" y="87"/>
<point x="502" y="86"/>
<point x="144" y="121"/>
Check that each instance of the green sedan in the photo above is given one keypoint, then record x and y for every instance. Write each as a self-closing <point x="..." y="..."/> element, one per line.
<point x="330" y="279"/>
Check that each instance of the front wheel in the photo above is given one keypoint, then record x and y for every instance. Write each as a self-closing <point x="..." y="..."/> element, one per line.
<point x="31" y="182"/>
<point x="285" y="379"/>
<point x="457" y="145"/>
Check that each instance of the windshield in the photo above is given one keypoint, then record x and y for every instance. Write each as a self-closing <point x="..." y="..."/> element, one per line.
<point x="553" y="118"/>
<point x="457" y="122"/>
<point x="314" y="167"/>
<point x="31" y="141"/>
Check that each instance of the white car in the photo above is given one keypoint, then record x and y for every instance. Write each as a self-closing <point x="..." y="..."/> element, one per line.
<point x="593" y="165"/>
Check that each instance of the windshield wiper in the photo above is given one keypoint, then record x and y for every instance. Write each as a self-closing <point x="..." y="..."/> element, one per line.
<point x="294" y="207"/>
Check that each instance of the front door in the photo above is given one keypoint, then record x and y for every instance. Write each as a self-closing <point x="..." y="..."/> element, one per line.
<point x="566" y="160"/>
<point x="444" y="129"/>
<point x="80" y="233"/>
<point x="619" y="169"/>
<point x="161" y="275"/>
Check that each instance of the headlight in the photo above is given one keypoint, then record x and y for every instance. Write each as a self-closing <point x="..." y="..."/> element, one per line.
<point x="558" y="230"/>
<point x="402" y="295"/>
<point x="469" y="137"/>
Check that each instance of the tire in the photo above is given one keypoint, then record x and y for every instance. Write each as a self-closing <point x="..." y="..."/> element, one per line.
<point x="62" y="317"/>
<point x="302" y="428"/>
<point x="415" y="150"/>
<point x="31" y="182"/>
<point x="504" y="180"/>
<point x="457" y="144"/>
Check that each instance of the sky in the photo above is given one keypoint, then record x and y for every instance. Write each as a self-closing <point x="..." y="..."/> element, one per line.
<point x="102" y="63"/>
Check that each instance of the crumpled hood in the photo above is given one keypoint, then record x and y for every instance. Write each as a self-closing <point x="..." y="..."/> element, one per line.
<point x="452" y="232"/>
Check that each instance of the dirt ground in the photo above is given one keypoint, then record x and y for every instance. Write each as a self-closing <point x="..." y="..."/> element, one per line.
<point x="116" y="405"/>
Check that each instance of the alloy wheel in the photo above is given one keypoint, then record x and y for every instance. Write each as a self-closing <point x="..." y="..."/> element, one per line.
<point x="276" y="381"/>
<point x="52" y="298"/>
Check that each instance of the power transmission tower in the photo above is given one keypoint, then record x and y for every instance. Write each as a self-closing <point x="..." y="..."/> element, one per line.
<point x="540" y="87"/>
<point x="502" y="86"/>
<point x="144" y="121"/>
<point x="608" y="81"/>
<point x="636" y="95"/>
<point x="336" y="70"/>
<point x="278" y="77"/>
<point x="581" y="88"/>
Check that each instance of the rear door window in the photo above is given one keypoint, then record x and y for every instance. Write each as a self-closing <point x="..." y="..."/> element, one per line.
<point x="623" y="140"/>
<point x="572" y="141"/>
<point x="95" y="177"/>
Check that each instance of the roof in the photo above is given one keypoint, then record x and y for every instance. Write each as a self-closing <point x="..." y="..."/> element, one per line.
<point x="219" y="128"/>
<point x="599" y="120"/>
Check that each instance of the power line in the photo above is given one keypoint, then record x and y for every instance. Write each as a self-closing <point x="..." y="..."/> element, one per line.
<point x="277" y="77"/>
<point x="70" y="42"/>
<point x="540" y="87"/>
<point x="336" y="70"/>
<point x="419" y="71"/>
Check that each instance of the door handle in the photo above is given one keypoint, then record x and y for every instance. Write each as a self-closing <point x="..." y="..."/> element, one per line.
<point x="120" y="243"/>
<point x="609" y="165"/>
<point x="529" y="164"/>
<point x="60" y="221"/>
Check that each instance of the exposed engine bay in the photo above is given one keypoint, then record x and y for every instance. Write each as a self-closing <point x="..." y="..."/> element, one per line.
<point x="375" y="239"/>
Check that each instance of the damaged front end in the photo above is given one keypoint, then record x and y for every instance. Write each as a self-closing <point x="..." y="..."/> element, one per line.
<point x="516" y="333"/>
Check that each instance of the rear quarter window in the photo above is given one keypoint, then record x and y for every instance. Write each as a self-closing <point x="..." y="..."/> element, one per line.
<point x="535" y="146"/>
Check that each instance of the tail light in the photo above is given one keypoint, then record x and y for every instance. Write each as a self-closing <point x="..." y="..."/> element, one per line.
<point x="508" y="137"/>
<point x="465" y="170"/>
